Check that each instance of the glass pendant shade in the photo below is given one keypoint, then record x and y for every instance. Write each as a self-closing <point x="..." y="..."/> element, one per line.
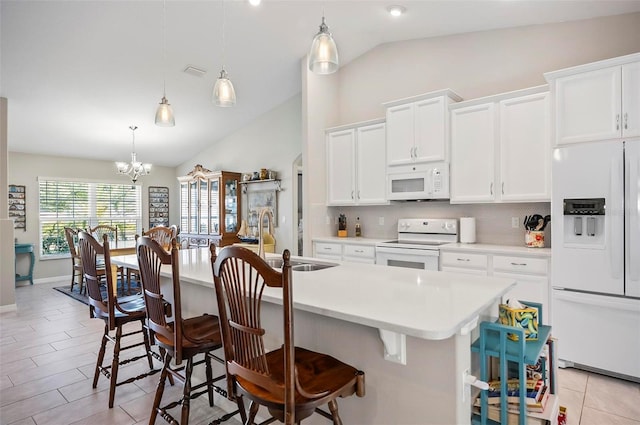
<point x="323" y="57"/>
<point x="223" y="92"/>
<point x="164" y="114"/>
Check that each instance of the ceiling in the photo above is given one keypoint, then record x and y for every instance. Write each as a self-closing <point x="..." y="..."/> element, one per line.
<point x="78" y="73"/>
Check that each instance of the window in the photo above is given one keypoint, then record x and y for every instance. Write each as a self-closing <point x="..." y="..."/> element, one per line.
<point x="81" y="205"/>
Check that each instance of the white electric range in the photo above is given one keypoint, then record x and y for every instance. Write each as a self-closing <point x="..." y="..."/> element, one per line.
<point x="418" y="243"/>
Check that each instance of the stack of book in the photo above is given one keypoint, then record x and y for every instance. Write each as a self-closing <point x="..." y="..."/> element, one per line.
<point x="536" y="399"/>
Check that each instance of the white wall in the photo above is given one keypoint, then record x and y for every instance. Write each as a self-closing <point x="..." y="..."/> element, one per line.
<point x="7" y="282"/>
<point x="273" y="141"/>
<point x="24" y="169"/>
<point x="473" y="65"/>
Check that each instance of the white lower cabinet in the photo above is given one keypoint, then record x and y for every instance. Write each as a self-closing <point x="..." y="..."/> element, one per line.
<point x="530" y="272"/>
<point x="327" y="250"/>
<point x="352" y="252"/>
<point x="463" y="262"/>
<point x="359" y="253"/>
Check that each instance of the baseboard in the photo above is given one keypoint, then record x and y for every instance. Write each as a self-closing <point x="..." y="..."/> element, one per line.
<point x="54" y="279"/>
<point x="9" y="307"/>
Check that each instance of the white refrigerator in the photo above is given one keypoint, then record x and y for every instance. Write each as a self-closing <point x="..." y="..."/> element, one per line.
<point x="596" y="256"/>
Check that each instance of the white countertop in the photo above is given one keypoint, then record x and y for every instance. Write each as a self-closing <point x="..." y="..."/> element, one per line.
<point x="424" y="304"/>
<point x="497" y="249"/>
<point x="351" y="240"/>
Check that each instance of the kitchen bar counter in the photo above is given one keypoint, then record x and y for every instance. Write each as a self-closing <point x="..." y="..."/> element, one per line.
<point x="366" y="315"/>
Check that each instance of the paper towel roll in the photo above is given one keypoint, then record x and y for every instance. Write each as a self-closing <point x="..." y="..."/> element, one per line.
<point x="467" y="229"/>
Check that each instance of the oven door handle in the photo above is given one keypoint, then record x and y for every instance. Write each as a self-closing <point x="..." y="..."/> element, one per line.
<point x="407" y="251"/>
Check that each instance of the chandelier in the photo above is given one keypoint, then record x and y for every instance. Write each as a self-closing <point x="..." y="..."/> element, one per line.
<point x="134" y="169"/>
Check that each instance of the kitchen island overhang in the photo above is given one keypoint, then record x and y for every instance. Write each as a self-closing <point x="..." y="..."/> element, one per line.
<point x="346" y="310"/>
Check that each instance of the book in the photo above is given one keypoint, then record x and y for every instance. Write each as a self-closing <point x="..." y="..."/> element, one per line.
<point x="534" y="390"/>
<point x="538" y="405"/>
<point x="513" y="418"/>
<point x="536" y="400"/>
<point x="549" y="416"/>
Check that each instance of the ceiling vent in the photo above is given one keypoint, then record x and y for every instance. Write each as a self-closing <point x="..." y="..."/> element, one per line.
<point x="192" y="70"/>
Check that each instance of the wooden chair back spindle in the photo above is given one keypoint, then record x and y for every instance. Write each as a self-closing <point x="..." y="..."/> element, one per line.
<point x="163" y="235"/>
<point x="104" y="229"/>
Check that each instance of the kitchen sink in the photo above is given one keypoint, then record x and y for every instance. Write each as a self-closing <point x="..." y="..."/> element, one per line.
<point x="300" y="266"/>
<point x="309" y="267"/>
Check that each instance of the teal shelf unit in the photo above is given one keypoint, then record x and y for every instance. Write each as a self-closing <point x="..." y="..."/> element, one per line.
<point x="493" y="341"/>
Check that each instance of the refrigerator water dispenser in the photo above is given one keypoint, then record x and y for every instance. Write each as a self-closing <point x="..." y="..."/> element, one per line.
<point x="584" y="222"/>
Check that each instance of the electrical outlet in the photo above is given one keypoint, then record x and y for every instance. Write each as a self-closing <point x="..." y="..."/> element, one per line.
<point x="381" y="221"/>
<point x="328" y="220"/>
<point x="515" y="222"/>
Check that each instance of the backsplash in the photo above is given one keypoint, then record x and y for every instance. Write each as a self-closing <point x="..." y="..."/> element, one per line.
<point x="493" y="221"/>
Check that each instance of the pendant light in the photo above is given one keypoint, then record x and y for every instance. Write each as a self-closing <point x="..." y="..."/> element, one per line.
<point x="323" y="57"/>
<point x="223" y="92"/>
<point x="164" y="114"/>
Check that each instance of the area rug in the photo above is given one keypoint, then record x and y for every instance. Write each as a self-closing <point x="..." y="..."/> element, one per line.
<point x="83" y="298"/>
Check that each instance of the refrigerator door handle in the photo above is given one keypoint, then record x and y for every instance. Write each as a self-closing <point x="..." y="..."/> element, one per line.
<point x="616" y="303"/>
<point x="633" y="210"/>
<point x="615" y="226"/>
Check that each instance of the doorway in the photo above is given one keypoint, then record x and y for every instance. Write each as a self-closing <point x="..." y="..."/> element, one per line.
<point x="297" y="206"/>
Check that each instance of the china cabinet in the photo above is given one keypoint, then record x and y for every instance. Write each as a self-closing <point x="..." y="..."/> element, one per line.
<point x="210" y="207"/>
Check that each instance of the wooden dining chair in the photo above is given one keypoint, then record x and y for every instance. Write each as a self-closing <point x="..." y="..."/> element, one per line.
<point x="179" y="338"/>
<point x="111" y="232"/>
<point x="105" y="229"/>
<point x="71" y="235"/>
<point x="115" y="312"/>
<point x="162" y="234"/>
<point x="291" y="382"/>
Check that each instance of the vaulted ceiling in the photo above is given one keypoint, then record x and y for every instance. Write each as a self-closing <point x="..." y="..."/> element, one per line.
<point x="78" y="73"/>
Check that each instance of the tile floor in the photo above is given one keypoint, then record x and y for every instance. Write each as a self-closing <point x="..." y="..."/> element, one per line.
<point x="47" y="356"/>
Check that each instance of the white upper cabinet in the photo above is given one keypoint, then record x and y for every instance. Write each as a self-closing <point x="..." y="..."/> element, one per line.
<point x="597" y="101"/>
<point x="356" y="163"/>
<point x="525" y="148"/>
<point x="501" y="148"/>
<point x="417" y="128"/>
<point x="473" y="138"/>
<point x="631" y="99"/>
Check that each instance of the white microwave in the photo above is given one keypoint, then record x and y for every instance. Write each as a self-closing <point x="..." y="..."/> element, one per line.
<point x="418" y="182"/>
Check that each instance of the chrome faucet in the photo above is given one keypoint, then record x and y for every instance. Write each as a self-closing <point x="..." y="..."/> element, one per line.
<point x="268" y="212"/>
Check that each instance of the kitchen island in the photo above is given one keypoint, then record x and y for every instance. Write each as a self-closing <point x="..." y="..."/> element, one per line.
<point x="409" y="330"/>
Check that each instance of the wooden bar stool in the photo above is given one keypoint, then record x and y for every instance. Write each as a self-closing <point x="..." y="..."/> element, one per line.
<point x="179" y="339"/>
<point x="291" y="382"/>
<point x="116" y="312"/>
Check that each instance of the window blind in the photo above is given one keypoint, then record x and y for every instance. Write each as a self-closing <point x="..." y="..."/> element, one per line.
<point x="82" y="205"/>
